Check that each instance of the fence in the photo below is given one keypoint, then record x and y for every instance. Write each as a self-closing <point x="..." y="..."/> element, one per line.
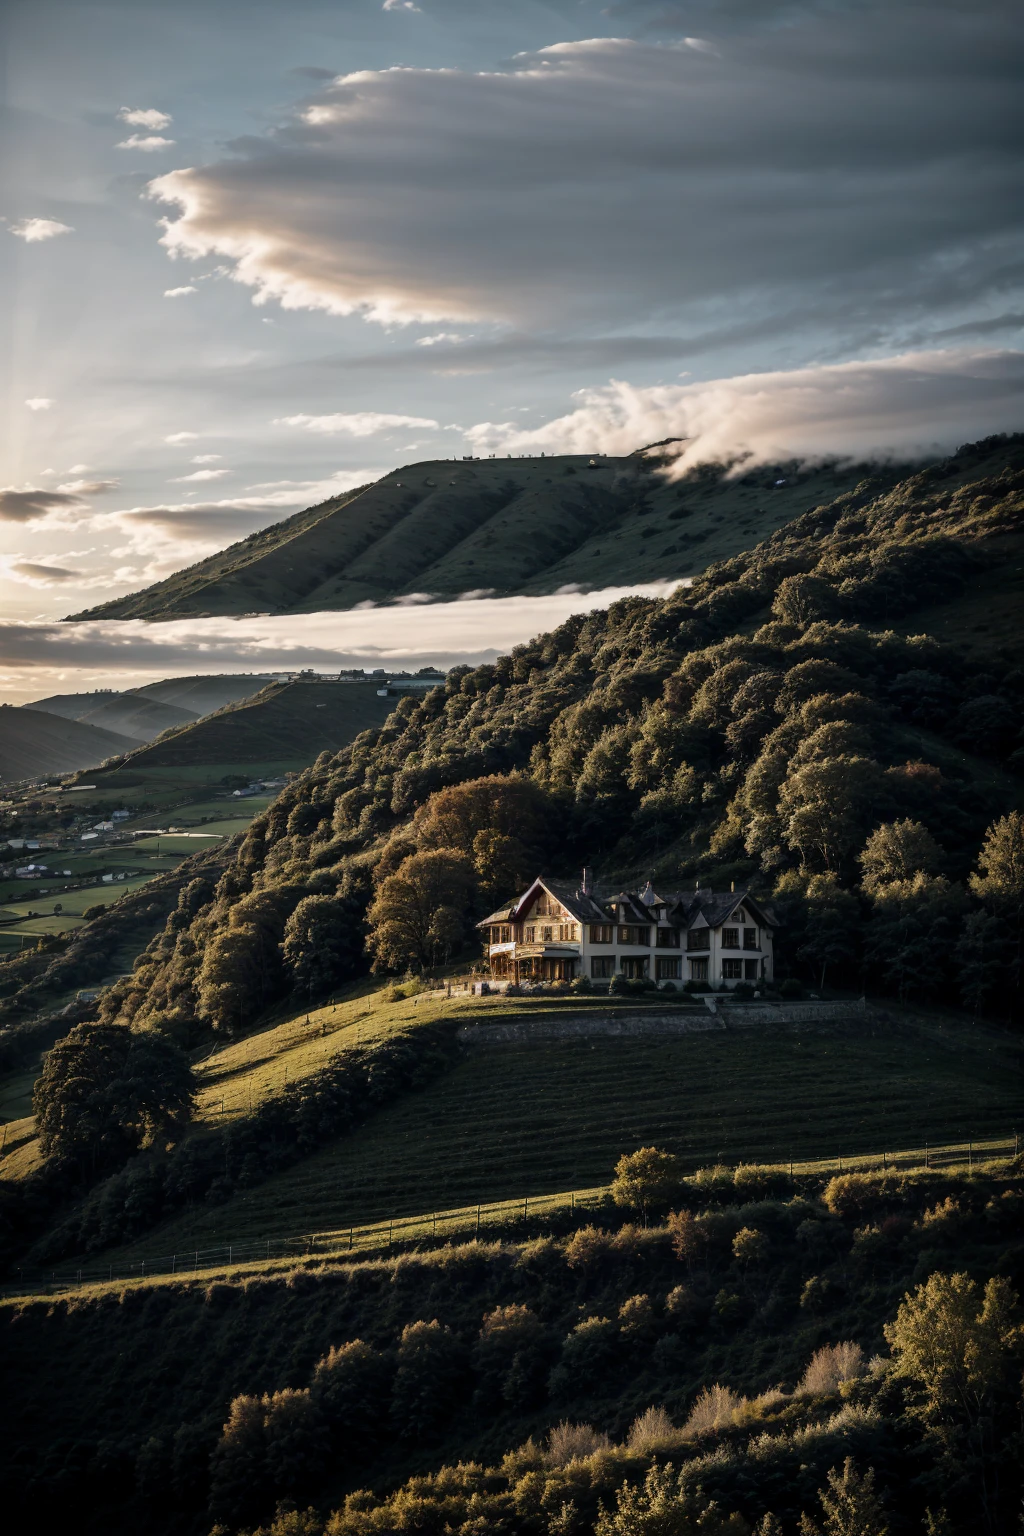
<point x="485" y="1218"/>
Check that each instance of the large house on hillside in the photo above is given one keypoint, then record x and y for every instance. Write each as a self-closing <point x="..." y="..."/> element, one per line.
<point x="556" y="932"/>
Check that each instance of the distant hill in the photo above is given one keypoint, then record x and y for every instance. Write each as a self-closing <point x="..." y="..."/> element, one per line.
<point x="145" y="713"/>
<point x="34" y="742"/>
<point x="202" y="695"/>
<point x="293" y="720"/>
<point x="527" y="525"/>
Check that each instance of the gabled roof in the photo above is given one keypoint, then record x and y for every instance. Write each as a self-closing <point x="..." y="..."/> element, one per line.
<point x="684" y="907"/>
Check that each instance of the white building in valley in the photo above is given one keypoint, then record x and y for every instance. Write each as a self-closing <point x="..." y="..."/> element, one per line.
<point x="556" y="932"/>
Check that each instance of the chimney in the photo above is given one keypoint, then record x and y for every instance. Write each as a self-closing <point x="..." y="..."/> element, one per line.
<point x="732" y="886"/>
<point x="585" y="882"/>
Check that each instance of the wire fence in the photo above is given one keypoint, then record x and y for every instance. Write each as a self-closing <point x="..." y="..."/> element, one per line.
<point x="482" y="1219"/>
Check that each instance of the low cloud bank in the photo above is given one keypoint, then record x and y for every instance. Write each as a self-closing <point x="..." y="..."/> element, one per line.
<point x="36" y="658"/>
<point x="895" y="407"/>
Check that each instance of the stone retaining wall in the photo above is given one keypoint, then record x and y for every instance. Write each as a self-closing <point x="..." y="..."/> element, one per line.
<point x="572" y="1026"/>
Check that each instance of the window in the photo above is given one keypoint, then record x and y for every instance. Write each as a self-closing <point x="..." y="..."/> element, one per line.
<point x="531" y="934"/>
<point x="633" y="965"/>
<point x="504" y="935"/>
<point x="546" y="935"/>
<point x="750" y="969"/>
<point x="732" y="970"/>
<point x="668" y="938"/>
<point x="666" y="969"/>
<point x="730" y="938"/>
<point x="698" y="970"/>
<point x="631" y="935"/>
<point x="698" y="938"/>
<point x="600" y="933"/>
<point x="750" y="938"/>
<point x="602" y="965"/>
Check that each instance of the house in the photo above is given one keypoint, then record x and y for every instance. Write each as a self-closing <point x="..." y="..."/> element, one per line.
<point x="556" y="931"/>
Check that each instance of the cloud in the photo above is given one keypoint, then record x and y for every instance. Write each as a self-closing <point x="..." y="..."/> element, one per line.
<point x="149" y="143"/>
<point x="33" y="230"/>
<point x="180" y="293"/>
<point x="896" y="406"/>
<point x="206" y="458"/>
<point x="452" y="337"/>
<point x="399" y="5"/>
<point x="181" y="437"/>
<point x="355" y="423"/>
<point x="444" y="634"/>
<point x="145" y="117"/>
<point x="88" y="487"/>
<point x="38" y="403"/>
<point x="31" y="504"/>
<point x="36" y="575"/>
<point x="202" y="474"/>
<point x="835" y="177"/>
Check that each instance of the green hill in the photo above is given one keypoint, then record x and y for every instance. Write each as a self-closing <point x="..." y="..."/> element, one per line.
<point x="33" y="742"/>
<point x="293" y="721"/>
<point x="529" y="525"/>
<point x="202" y="695"/>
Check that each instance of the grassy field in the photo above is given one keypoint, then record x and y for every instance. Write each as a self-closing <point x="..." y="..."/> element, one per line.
<point x="554" y="1116"/>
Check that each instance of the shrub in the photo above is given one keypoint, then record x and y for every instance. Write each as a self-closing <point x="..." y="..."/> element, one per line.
<point x="651" y="1431"/>
<point x="790" y="990"/>
<point x="350" y="1386"/>
<point x="750" y="1246"/>
<point x="582" y="984"/>
<point x="588" y="1354"/>
<point x="712" y="1410"/>
<point x="573" y="1442"/>
<point x="758" y="1181"/>
<point x="830" y="1367"/>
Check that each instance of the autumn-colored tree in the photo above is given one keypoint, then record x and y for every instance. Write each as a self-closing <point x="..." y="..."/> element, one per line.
<point x="418" y="915"/>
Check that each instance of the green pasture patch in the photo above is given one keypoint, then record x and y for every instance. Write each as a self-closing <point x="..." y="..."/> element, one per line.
<point x="555" y="1116"/>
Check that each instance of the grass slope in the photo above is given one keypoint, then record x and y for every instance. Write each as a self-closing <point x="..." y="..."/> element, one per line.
<point x="555" y="1116"/>
<point x="284" y="721"/>
<point x="33" y="742"/>
<point x="514" y="525"/>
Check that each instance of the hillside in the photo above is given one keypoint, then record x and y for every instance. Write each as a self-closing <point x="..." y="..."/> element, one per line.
<point x="504" y="525"/>
<point x="146" y="712"/>
<point x="292" y="721"/>
<point x="202" y="695"/>
<point x="33" y="742"/>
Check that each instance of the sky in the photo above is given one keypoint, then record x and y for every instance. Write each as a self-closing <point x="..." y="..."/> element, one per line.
<point x="252" y="253"/>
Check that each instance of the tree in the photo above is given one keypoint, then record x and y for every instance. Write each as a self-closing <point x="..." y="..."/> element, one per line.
<point x="912" y="932"/>
<point x="898" y="850"/>
<point x="323" y="942"/>
<point x="431" y="1364"/>
<point x="851" y="1506"/>
<point x="646" y="1179"/>
<point x="999" y="885"/>
<point x="105" y="1090"/>
<point x="750" y="1246"/>
<point x="832" y="918"/>
<point x="230" y="994"/>
<point x="1000" y="881"/>
<point x="417" y="916"/>
<point x="511" y="806"/>
<point x="350" y="1386"/>
<point x="957" y="1343"/>
<point x="985" y="954"/>
<point x="824" y="805"/>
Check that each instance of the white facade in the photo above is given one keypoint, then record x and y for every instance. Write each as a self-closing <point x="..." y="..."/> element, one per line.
<point x="555" y="933"/>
